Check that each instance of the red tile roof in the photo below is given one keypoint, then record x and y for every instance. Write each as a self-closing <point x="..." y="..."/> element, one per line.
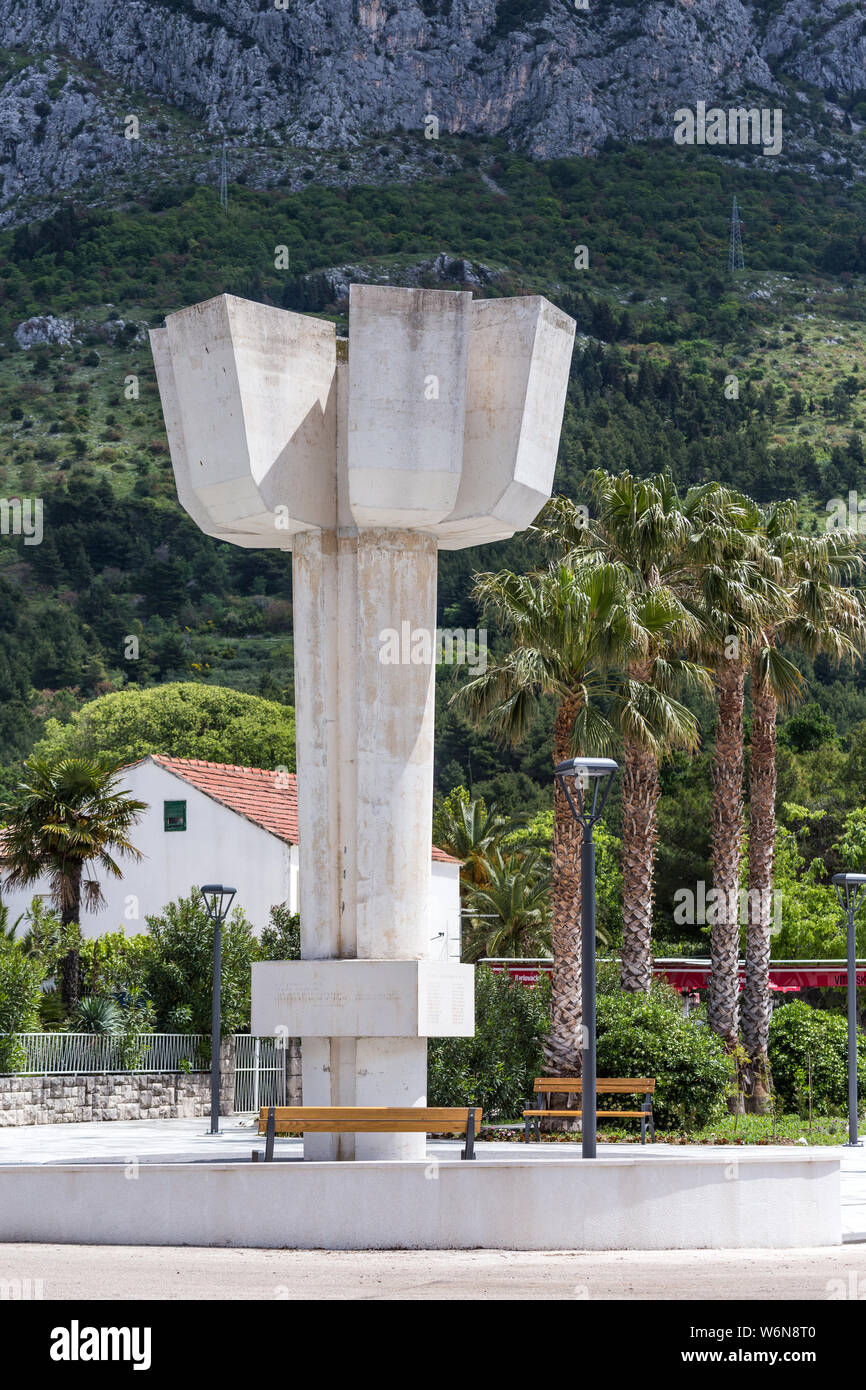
<point x="269" y="799"/>
<point x="266" y="798"/>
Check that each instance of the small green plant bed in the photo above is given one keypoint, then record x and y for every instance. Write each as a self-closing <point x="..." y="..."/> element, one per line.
<point x="742" y="1129"/>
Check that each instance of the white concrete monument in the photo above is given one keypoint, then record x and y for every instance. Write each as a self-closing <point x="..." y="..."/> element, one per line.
<point x="438" y="427"/>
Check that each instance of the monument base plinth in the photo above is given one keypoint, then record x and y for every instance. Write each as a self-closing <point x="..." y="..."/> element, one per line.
<point x="363" y="1026"/>
<point x="364" y="1071"/>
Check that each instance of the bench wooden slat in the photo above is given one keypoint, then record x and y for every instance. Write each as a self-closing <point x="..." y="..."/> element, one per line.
<point x="571" y="1114"/>
<point x="604" y="1085"/>
<point x="372" y="1119"/>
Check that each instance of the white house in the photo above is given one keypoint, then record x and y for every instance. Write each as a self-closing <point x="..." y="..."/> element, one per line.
<point x="213" y="822"/>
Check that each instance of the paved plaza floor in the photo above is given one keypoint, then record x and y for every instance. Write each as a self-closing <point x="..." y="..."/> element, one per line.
<point x="184" y="1272"/>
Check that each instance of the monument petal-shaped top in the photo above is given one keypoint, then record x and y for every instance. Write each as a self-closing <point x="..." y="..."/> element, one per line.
<point x="446" y="419"/>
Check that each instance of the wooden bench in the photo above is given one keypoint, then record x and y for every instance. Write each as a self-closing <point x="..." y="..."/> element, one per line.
<point x="368" y="1119"/>
<point x="567" y="1085"/>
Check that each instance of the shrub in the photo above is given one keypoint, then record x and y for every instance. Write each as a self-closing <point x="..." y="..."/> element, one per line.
<point x="181" y="719"/>
<point x="114" y="964"/>
<point x="647" y="1035"/>
<point x="52" y="1012"/>
<point x="496" y="1068"/>
<point x="800" y="1034"/>
<point x="98" y="1014"/>
<point x="20" y="992"/>
<point x="46" y="939"/>
<point x="179" y="969"/>
<point x="281" y="938"/>
<point x="138" y="1017"/>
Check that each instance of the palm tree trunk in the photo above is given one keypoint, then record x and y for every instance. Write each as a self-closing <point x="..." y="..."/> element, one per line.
<point x="562" y="1049"/>
<point x="727" y="833"/>
<point x="69" y="980"/>
<point x="756" y="1006"/>
<point x="70" y="912"/>
<point x="640" y="794"/>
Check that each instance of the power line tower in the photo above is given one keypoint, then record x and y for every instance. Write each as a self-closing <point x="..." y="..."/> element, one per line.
<point x="224" y="182"/>
<point x="735" y="255"/>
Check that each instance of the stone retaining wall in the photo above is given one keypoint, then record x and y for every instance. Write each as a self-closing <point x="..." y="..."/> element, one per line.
<point x="57" y="1100"/>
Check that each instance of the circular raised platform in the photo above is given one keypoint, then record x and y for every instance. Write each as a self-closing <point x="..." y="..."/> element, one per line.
<point x="146" y="1183"/>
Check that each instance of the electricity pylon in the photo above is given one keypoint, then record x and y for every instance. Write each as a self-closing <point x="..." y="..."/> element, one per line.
<point x="224" y="182"/>
<point x="735" y="255"/>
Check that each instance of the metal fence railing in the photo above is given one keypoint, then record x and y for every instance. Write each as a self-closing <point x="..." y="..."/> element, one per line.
<point x="260" y="1072"/>
<point x="261" y="1064"/>
<point x="73" y="1054"/>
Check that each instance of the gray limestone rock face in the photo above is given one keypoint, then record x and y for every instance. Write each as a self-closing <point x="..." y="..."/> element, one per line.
<point x="43" y="328"/>
<point x="824" y="45"/>
<point x="550" y="78"/>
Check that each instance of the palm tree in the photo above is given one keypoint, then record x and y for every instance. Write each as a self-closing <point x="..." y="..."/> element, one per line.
<point x="512" y="908"/>
<point x="640" y="524"/>
<point x="7" y="929"/>
<point x="824" y="615"/>
<point x="66" y="817"/>
<point x="736" y="592"/>
<point x="469" y="829"/>
<point x="573" y="626"/>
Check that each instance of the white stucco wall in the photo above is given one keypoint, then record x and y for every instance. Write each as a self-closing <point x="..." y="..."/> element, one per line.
<point x="218" y="845"/>
<point x="444" y="911"/>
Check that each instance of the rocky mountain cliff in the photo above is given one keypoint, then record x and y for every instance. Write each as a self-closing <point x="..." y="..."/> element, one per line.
<point x="288" y="80"/>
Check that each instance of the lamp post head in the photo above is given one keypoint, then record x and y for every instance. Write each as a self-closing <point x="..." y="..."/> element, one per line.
<point x="217" y="900"/>
<point x="576" y="775"/>
<point x="850" y="890"/>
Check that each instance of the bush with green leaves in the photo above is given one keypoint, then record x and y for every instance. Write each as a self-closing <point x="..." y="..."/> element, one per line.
<point x="180" y="719"/>
<point x="43" y="936"/>
<point x="281" y="938"/>
<point x="648" y="1035"/>
<point x="179" y="969"/>
<point x="807" y="1042"/>
<point x="21" y="979"/>
<point x="114" y="964"/>
<point x="496" y="1068"/>
<point x="139" y="1016"/>
<point x="128" y="1025"/>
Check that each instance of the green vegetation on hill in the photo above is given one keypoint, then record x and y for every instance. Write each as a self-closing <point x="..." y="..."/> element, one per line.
<point x="648" y="216"/>
<point x="130" y="591"/>
<point x="655" y="225"/>
<point x="756" y="380"/>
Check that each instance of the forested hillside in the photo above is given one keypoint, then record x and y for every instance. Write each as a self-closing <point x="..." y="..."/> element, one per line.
<point x="755" y="379"/>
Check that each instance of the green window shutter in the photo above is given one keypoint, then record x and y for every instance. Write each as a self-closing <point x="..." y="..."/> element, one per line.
<point x="174" y="815"/>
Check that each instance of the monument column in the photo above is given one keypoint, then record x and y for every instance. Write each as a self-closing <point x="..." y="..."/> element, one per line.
<point x="439" y="428"/>
<point x="365" y="731"/>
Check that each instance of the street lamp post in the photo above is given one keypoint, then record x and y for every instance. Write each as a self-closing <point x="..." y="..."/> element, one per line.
<point x="217" y="900"/>
<point x="851" y="892"/>
<point x="575" y="777"/>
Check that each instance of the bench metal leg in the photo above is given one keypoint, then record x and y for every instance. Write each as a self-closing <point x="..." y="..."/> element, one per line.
<point x="647" y="1107"/>
<point x="270" y="1134"/>
<point x="469" y="1147"/>
<point x="527" y="1125"/>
